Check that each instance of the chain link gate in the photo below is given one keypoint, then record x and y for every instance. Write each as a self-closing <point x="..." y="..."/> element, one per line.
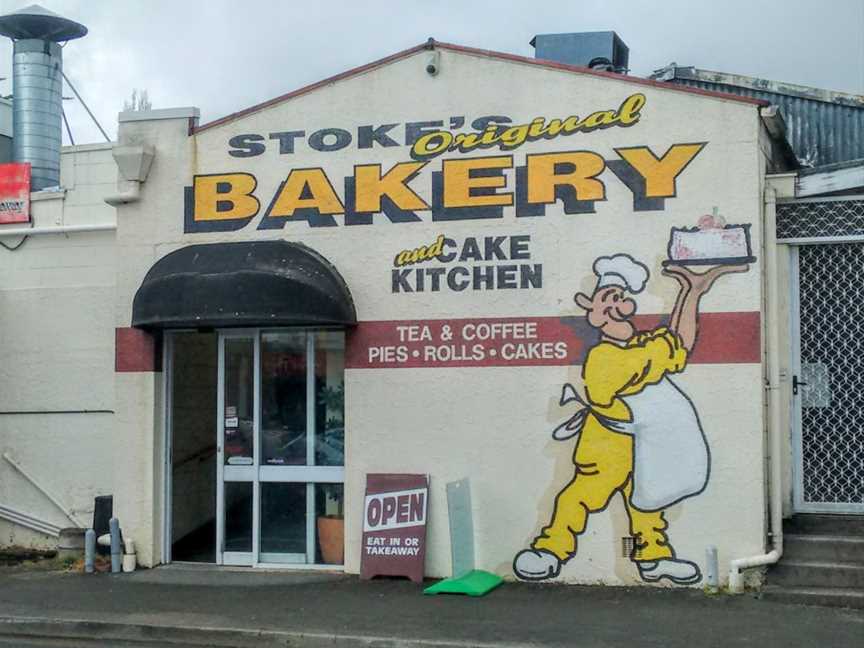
<point x="828" y="387"/>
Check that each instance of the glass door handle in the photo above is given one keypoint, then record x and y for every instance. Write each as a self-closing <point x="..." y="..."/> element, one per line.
<point x="795" y="384"/>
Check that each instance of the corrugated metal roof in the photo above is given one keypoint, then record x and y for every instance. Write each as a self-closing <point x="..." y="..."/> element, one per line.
<point x="824" y="127"/>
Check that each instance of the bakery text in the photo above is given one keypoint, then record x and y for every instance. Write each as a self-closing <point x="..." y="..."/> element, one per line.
<point x="451" y="189"/>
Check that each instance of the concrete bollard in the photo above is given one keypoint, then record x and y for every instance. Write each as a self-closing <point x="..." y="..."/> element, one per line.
<point x="89" y="551"/>
<point x="116" y="551"/>
<point x="712" y="575"/>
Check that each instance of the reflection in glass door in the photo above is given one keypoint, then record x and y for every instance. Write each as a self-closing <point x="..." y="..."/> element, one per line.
<point x="281" y="446"/>
<point x="285" y="414"/>
<point x="236" y="528"/>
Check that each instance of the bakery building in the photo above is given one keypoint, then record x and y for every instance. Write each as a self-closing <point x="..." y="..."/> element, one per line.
<point x="558" y="281"/>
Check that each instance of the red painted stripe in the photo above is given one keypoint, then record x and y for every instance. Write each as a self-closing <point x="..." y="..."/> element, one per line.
<point x="724" y="338"/>
<point x="476" y="52"/>
<point x="136" y="350"/>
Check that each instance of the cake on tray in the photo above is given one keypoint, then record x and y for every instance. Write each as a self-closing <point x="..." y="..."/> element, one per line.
<point x="711" y="242"/>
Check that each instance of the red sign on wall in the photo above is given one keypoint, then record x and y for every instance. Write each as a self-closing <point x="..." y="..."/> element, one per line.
<point x="724" y="337"/>
<point x="394" y="526"/>
<point x="15" y="192"/>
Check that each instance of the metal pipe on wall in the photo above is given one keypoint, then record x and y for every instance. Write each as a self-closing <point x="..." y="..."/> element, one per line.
<point x="772" y="333"/>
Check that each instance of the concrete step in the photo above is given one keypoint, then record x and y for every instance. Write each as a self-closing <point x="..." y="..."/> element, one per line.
<point x="792" y="573"/>
<point x="823" y="596"/>
<point x="823" y="548"/>
<point x="806" y="524"/>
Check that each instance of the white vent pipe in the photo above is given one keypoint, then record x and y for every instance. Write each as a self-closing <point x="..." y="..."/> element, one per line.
<point x="29" y="521"/>
<point x="43" y="490"/>
<point x="61" y="229"/>
<point x="772" y="333"/>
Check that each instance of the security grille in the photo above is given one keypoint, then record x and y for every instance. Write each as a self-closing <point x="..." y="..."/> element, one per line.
<point x="807" y="220"/>
<point x="832" y="366"/>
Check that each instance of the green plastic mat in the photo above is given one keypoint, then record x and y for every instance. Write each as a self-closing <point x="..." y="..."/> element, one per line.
<point x="474" y="583"/>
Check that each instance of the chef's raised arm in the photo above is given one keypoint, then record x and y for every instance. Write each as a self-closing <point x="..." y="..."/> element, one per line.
<point x="684" y="320"/>
<point x="612" y="370"/>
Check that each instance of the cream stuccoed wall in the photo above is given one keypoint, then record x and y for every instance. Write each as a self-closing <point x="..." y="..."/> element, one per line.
<point x="490" y="423"/>
<point x="138" y="453"/>
<point x="57" y="351"/>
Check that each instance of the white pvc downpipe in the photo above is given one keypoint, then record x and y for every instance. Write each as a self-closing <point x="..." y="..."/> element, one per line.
<point x="60" y="229"/>
<point x="43" y="490"/>
<point x="29" y="521"/>
<point x="775" y="496"/>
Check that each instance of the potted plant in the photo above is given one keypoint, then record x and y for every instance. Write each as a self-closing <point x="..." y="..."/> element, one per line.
<point x="331" y="527"/>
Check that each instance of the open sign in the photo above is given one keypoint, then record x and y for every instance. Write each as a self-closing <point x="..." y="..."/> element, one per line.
<point x="395" y="510"/>
<point x="394" y="526"/>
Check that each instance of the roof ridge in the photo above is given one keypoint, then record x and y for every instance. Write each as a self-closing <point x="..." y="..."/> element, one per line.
<point x="473" y="51"/>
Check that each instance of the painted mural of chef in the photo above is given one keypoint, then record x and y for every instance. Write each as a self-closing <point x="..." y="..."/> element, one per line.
<point x="638" y="433"/>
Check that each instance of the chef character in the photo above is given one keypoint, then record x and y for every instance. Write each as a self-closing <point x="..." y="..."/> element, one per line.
<point x="638" y="433"/>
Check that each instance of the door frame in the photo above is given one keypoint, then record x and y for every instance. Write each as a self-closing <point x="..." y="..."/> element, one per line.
<point x="799" y="505"/>
<point x="310" y="475"/>
<point x="243" y="474"/>
<point x="167" y="445"/>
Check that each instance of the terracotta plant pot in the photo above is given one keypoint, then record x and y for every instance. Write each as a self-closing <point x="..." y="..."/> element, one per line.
<point x="331" y="538"/>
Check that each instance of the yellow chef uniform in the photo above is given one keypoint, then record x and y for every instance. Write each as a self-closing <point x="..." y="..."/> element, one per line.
<point x="604" y="458"/>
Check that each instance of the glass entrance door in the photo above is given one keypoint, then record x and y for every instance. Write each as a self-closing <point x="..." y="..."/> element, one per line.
<point x="281" y="447"/>
<point x="237" y="450"/>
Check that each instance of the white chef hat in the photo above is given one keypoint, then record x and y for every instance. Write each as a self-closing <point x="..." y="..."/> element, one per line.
<point x="621" y="270"/>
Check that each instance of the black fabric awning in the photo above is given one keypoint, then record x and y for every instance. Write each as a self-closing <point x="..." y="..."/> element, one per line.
<point x="266" y="283"/>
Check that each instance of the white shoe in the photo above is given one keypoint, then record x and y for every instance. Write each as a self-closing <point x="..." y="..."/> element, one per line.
<point x="536" y="564"/>
<point x="680" y="572"/>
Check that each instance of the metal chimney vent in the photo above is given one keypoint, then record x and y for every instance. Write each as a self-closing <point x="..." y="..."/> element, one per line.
<point x="597" y="50"/>
<point x="37" y="85"/>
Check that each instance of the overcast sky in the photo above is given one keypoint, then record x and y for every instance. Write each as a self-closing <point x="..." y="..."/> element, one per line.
<point x="224" y="55"/>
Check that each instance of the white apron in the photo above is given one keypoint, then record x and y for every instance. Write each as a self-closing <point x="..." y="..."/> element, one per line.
<point x="671" y="460"/>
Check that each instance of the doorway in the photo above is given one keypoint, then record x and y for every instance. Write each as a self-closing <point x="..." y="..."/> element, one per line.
<point x="272" y="402"/>
<point x="828" y="378"/>
<point x="192" y="460"/>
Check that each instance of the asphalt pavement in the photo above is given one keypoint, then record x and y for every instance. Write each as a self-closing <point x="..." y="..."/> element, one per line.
<point x="174" y="606"/>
